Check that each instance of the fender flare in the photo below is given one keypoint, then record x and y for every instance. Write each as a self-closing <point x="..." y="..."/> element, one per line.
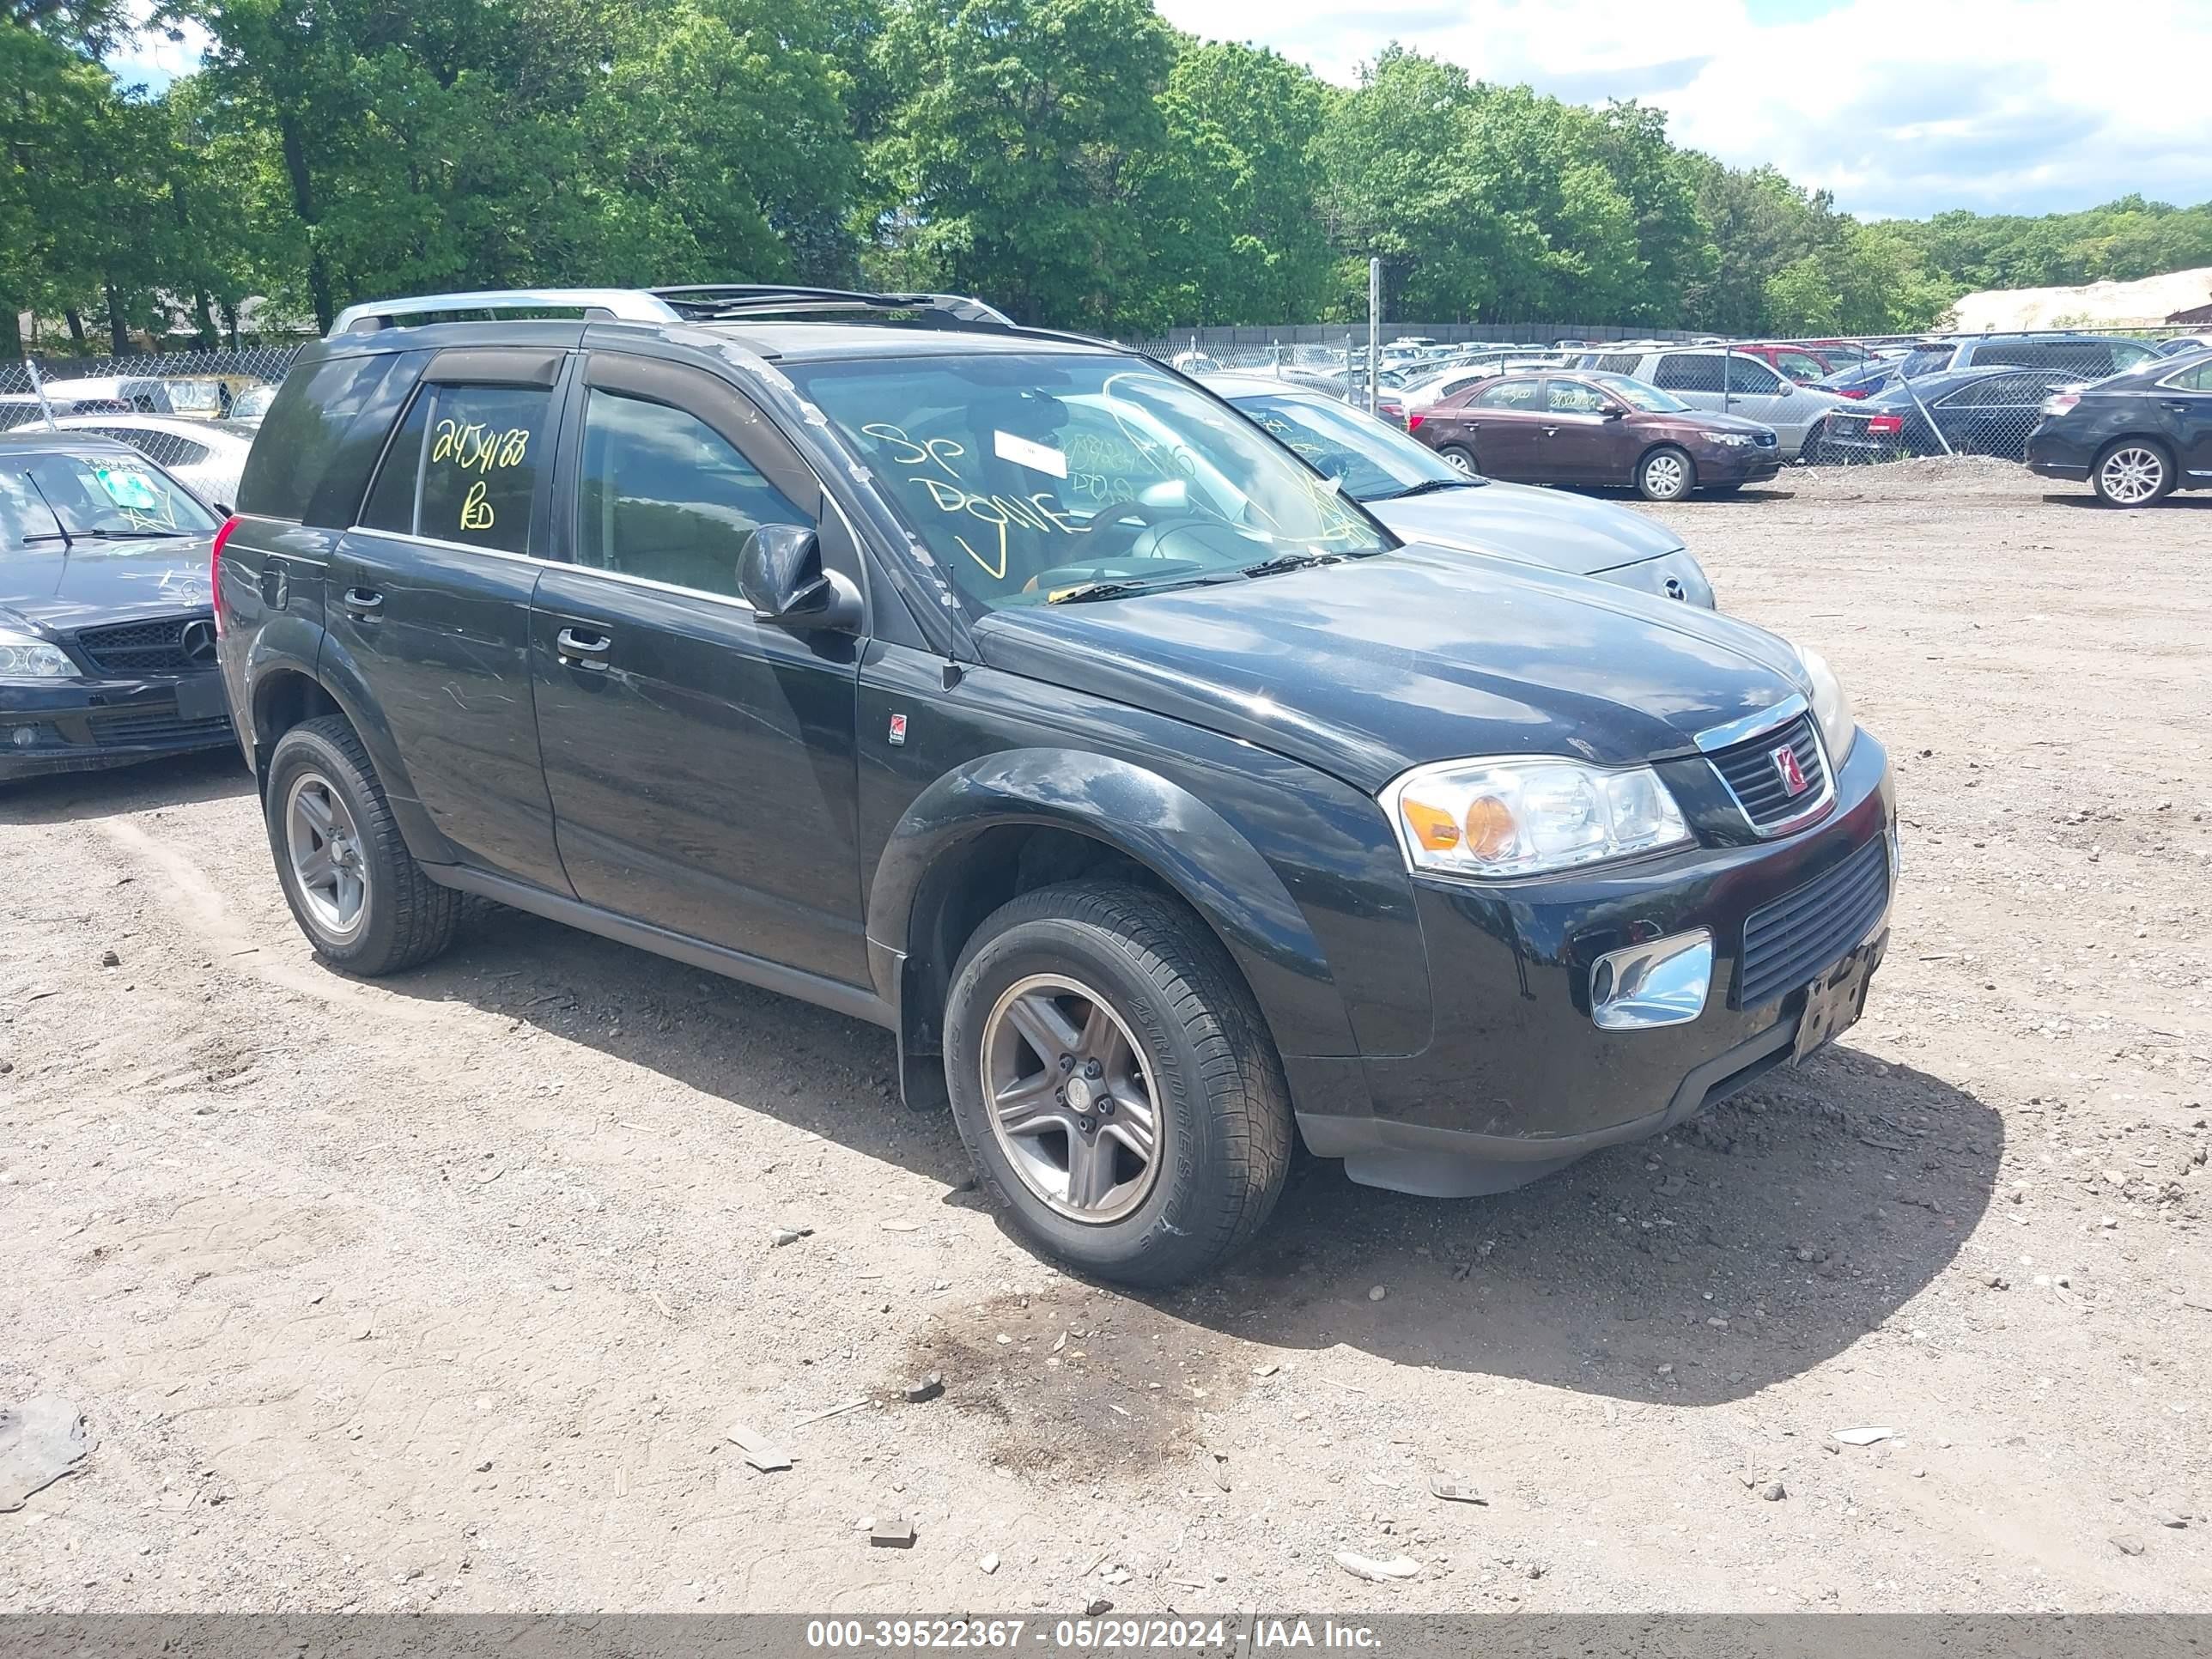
<point x="1158" y="823"/>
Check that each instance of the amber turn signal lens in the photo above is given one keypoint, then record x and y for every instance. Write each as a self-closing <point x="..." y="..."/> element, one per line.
<point x="1435" y="831"/>
<point x="1491" y="830"/>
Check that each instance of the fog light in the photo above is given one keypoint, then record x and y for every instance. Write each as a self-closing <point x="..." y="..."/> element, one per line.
<point x="26" y="735"/>
<point x="1661" y="982"/>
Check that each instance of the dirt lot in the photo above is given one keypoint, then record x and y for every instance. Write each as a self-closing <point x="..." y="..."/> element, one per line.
<point x="443" y="1293"/>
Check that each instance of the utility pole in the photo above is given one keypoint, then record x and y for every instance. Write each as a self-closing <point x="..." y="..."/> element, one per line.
<point x="1374" y="334"/>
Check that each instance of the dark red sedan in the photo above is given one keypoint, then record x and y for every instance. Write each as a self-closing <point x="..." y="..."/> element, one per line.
<point x="1591" y="428"/>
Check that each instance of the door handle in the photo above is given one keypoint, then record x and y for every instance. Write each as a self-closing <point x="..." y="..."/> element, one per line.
<point x="1551" y="431"/>
<point x="363" y="602"/>
<point x="582" y="650"/>
<point x="2177" y="405"/>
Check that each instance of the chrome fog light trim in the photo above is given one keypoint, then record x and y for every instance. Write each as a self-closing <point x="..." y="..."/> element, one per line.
<point x="1663" y="982"/>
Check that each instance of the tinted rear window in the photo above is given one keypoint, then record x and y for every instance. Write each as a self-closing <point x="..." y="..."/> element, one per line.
<point x="307" y="427"/>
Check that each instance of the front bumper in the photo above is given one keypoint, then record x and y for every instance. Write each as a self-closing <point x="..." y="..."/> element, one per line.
<point x="1516" y="1079"/>
<point x="1722" y="465"/>
<point x="88" y="725"/>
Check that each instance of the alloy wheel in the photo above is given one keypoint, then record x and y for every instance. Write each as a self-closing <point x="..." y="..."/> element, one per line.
<point x="1458" y="462"/>
<point x="1071" y="1098"/>
<point x="2133" y="474"/>
<point x="1663" y="476"/>
<point x="325" y="848"/>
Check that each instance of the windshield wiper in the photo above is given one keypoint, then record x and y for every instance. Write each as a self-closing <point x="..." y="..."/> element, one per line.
<point x="1292" y="561"/>
<point x="1429" y="487"/>
<point x="1122" y="587"/>
<point x="135" y="535"/>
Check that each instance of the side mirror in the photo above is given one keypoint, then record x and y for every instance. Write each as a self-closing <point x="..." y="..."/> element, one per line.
<point x="1616" y="411"/>
<point x="779" y="575"/>
<point x="222" y="509"/>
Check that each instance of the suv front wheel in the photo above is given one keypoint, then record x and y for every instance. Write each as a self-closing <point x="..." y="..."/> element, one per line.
<point x="354" y="888"/>
<point x="1114" y="1083"/>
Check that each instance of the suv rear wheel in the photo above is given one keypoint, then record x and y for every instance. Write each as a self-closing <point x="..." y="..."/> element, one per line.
<point x="2133" y="472"/>
<point x="1113" y="1080"/>
<point x="354" y="888"/>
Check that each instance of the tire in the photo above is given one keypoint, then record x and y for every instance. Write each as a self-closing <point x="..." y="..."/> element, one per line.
<point x="1459" y="457"/>
<point x="1182" y="1038"/>
<point x="2133" y="472"/>
<point x="1666" y="474"/>
<point x="381" y="913"/>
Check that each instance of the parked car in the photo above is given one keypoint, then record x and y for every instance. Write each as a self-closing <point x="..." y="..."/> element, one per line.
<point x="2086" y="356"/>
<point x="2184" y="343"/>
<point x="1795" y="363"/>
<point x="206" y="456"/>
<point x="250" y="405"/>
<point x="1725" y="382"/>
<point x="1016" y="694"/>
<point x="1591" y="428"/>
<point x="19" y="409"/>
<point x="1979" y="411"/>
<point x="2136" y="436"/>
<point x="106" y="644"/>
<point x="1419" y="394"/>
<point x="1861" y="381"/>
<point x="1422" y="498"/>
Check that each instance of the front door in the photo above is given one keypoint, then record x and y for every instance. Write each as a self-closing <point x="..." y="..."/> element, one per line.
<point x="1582" y="443"/>
<point x="429" y="595"/>
<point x="700" y="761"/>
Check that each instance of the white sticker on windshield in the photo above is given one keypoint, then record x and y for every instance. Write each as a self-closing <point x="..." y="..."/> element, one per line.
<point x="1036" y="457"/>
<point x="127" y="488"/>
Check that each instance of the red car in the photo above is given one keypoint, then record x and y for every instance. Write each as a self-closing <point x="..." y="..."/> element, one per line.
<point x="1579" y="427"/>
<point x="1803" y="364"/>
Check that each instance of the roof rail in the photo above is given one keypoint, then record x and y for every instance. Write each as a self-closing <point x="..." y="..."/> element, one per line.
<point x="625" y="305"/>
<point x="725" y="301"/>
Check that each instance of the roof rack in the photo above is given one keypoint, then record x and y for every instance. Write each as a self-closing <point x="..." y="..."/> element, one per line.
<point x="700" y="303"/>
<point x="725" y="302"/>
<point x="625" y="305"/>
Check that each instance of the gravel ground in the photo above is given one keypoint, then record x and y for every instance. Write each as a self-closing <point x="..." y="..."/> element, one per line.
<point x="445" y="1292"/>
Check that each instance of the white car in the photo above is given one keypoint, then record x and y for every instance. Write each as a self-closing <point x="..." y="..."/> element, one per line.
<point x="205" y="456"/>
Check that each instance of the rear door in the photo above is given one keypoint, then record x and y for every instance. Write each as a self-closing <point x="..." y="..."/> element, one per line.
<point x="700" y="761"/>
<point x="428" y="602"/>
<point x="2185" y="402"/>
<point x="1503" y="424"/>
<point x="1699" y="379"/>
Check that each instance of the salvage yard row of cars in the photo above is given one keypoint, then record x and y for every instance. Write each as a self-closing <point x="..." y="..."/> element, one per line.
<point x="1177" y="771"/>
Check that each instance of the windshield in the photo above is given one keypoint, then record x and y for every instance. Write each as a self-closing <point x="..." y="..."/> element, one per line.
<point x="1373" y="462"/>
<point x="1641" y="394"/>
<point x="58" y="497"/>
<point x="1031" y="476"/>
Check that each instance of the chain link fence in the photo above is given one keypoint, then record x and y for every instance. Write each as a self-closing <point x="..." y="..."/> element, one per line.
<point x="193" y="413"/>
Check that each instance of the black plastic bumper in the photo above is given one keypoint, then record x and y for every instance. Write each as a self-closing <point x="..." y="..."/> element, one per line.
<point x="87" y="725"/>
<point x="1517" y="1079"/>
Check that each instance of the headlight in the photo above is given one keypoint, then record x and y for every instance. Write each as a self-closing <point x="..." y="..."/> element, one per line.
<point x="26" y="657"/>
<point x="1515" y="816"/>
<point x="1830" y="707"/>
<point x="1733" y="440"/>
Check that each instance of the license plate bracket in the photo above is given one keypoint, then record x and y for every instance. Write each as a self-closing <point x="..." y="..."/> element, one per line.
<point x="1834" y="1002"/>
<point x="200" y="698"/>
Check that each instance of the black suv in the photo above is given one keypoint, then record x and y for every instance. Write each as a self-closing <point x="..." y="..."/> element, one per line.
<point x="1016" y="694"/>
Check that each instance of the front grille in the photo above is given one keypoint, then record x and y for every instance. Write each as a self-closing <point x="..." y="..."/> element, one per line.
<point x="1792" y="941"/>
<point x="1756" y="781"/>
<point x="131" y="725"/>
<point x="144" y="647"/>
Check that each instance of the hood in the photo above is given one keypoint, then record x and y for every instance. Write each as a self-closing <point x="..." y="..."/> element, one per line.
<point x="1711" y="420"/>
<point x="105" y="581"/>
<point x="1367" y="667"/>
<point x="1549" y="527"/>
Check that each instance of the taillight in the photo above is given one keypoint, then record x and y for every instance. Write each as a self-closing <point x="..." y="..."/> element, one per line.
<point x="215" y="568"/>
<point x="1887" y="424"/>
<point x="1413" y="420"/>
<point x="1851" y="392"/>
<point x="2059" y="402"/>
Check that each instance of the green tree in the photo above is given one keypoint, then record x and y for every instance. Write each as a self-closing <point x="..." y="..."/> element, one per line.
<point x="1014" y="162"/>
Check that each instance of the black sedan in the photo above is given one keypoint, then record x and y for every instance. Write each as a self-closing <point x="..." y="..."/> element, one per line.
<point x="1959" y="412"/>
<point x="106" y="637"/>
<point x="2134" y="437"/>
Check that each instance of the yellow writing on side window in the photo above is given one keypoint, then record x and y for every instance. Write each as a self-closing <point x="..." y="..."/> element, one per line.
<point x="476" y="510"/>
<point x="474" y="449"/>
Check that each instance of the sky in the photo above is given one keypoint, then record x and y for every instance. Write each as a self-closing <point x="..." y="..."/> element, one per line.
<point x="1900" y="107"/>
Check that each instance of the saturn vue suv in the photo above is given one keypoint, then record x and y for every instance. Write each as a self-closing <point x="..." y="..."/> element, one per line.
<point x="1016" y="694"/>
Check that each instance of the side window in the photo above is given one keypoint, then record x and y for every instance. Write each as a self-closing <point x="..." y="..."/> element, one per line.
<point x="1747" y="375"/>
<point x="1688" y="371"/>
<point x="1573" y="398"/>
<point x="664" y="496"/>
<point x="2126" y="354"/>
<point x="1973" y="394"/>
<point x="1507" y="394"/>
<point x="1803" y="367"/>
<point x="463" y="466"/>
<point x="1620" y="362"/>
<point x="2198" y="379"/>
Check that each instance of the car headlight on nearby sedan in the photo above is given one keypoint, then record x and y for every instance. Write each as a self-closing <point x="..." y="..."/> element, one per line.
<point x="26" y="657"/>
<point x="1513" y="816"/>
<point x="1830" y="707"/>
<point x="1733" y="440"/>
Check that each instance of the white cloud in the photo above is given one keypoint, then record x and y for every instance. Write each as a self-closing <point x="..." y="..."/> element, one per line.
<point x="1900" y="106"/>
